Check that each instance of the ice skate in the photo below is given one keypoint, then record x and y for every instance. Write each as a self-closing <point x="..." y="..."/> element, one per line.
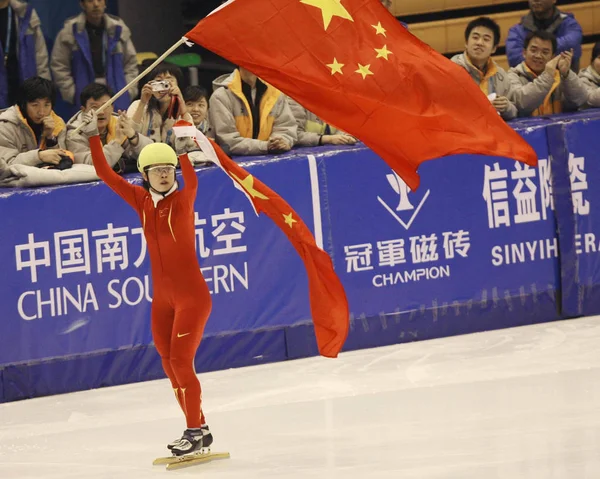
<point x="193" y="441"/>
<point x="176" y="442"/>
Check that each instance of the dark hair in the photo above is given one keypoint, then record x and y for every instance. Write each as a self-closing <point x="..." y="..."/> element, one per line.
<point x="163" y="68"/>
<point x="166" y="68"/>
<point x="542" y="35"/>
<point x="484" y="22"/>
<point x="95" y="91"/>
<point x="194" y="93"/>
<point x="35" y="88"/>
<point x="596" y="51"/>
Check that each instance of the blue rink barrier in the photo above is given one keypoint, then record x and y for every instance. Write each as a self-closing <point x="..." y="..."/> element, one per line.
<point x="475" y="248"/>
<point x="576" y="153"/>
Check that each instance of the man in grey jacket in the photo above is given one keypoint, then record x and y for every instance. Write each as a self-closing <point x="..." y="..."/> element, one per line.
<point x="482" y="37"/>
<point x="312" y="131"/>
<point x="590" y="77"/>
<point x="94" y="47"/>
<point x="122" y="144"/>
<point x="250" y="117"/>
<point x="544" y="84"/>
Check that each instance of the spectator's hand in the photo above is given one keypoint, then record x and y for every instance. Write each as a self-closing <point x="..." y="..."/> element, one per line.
<point x="120" y="135"/>
<point x="565" y="61"/>
<point x="552" y="65"/>
<point x="90" y="123"/>
<point x="52" y="157"/>
<point x="278" y="145"/>
<point x="49" y="126"/>
<point x="147" y="93"/>
<point x="185" y="145"/>
<point x="126" y="124"/>
<point x="501" y="104"/>
<point x="338" y="140"/>
<point x="175" y="91"/>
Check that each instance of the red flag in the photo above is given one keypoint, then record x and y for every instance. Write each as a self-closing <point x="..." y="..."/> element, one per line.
<point x="328" y="302"/>
<point x="354" y="65"/>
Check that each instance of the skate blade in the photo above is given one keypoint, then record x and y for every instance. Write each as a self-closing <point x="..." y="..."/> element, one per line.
<point x="163" y="461"/>
<point x="194" y="460"/>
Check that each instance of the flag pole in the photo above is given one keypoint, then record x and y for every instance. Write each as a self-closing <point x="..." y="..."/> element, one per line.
<point x="137" y="79"/>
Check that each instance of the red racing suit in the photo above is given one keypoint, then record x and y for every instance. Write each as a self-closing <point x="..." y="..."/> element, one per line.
<point x="182" y="302"/>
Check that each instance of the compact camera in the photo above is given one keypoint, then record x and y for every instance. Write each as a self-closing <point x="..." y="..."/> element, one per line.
<point x="160" y="85"/>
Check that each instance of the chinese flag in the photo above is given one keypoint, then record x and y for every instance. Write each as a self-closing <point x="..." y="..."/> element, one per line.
<point x="355" y="66"/>
<point x="328" y="302"/>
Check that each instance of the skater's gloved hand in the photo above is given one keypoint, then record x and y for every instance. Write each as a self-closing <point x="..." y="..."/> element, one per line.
<point x="185" y="145"/>
<point x="90" y="124"/>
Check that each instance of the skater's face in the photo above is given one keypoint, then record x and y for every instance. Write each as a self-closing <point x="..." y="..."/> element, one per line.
<point x="161" y="177"/>
<point x="480" y="45"/>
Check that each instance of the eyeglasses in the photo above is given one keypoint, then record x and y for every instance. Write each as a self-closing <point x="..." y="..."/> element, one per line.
<point x="161" y="170"/>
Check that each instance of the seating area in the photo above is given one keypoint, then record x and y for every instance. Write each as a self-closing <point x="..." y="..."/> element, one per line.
<point x="447" y="36"/>
<point x="402" y="8"/>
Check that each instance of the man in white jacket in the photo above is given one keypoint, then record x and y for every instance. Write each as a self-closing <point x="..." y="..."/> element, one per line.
<point x="482" y="37"/>
<point x="94" y="47"/>
<point x="590" y="77"/>
<point x="122" y="144"/>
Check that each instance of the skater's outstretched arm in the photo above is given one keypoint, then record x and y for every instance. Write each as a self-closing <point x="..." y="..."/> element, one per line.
<point x="130" y="193"/>
<point x="189" y="177"/>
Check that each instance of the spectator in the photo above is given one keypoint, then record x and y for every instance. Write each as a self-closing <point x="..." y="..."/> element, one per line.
<point x="312" y="131"/>
<point x="94" y="47"/>
<point x="482" y="37"/>
<point x="387" y="4"/>
<point x="30" y="132"/>
<point x="543" y="85"/>
<point x="122" y="144"/>
<point x="23" y="48"/>
<point x="544" y="16"/>
<point x="196" y="103"/>
<point x="161" y="104"/>
<point x="5" y="172"/>
<point x="590" y="77"/>
<point x="251" y="117"/>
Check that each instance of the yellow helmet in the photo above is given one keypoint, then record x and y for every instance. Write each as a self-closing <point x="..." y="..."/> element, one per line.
<point x="156" y="154"/>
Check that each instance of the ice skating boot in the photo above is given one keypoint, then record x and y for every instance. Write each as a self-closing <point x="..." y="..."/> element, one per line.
<point x="193" y="441"/>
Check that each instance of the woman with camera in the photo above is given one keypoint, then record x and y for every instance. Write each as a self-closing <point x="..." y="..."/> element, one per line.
<point x="161" y="104"/>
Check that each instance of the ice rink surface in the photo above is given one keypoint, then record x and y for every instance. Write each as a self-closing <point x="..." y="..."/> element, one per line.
<point x="518" y="403"/>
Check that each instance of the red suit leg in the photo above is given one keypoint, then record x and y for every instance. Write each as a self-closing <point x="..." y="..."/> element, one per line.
<point x="163" y="317"/>
<point x="188" y="328"/>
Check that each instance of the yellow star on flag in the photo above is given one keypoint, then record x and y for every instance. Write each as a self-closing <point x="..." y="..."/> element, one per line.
<point x="364" y="70"/>
<point x="336" y="67"/>
<point x="248" y="184"/>
<point x="289" y="220"/>
<point x="380" y="29"/>
<point x="329" y="9"/>
<point x="383" y="52"/>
